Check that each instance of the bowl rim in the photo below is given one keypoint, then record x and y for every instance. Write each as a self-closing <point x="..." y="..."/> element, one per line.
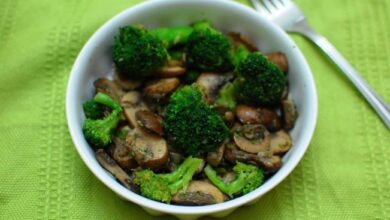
<point x="111" y="183"/>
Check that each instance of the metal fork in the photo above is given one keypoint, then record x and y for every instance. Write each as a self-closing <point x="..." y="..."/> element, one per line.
<point x="286" y="14"/>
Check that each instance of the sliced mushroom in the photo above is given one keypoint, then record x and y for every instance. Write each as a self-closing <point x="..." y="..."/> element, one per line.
<point x="161" y="88"/>
<point x="271" y="163"/>
<point x="109" y="88"/>
<point x="131" y="103"/>
<point x="290" y="113"/>
<point x="237" y="38"/>
<point x="150" y="121"/>
<point x="227" y="115"/>
<point x="198" y="193"/>
<point x="251" y="115"/>
<point x="265" y="159"/>
<point x="215" y="158"/>
<point x="252" y="138"/>
<point x="280" y="60"/>
<point x="122" y="154"/>
<point x="150" y="150"/>
<point x="173" y="68"/>
<point x="111" y="166"/>
<point x="211" y="82"/>
<point x="281" y="142"/>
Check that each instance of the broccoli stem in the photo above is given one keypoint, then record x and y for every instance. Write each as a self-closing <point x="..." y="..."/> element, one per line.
<point x="108" y="101"/>
<point x="185" y="178"/>
<point x="234" y="187"/>
<point x="161" y="187"/>
<point x="173" y="36"/>
<point x="177" y="174"/>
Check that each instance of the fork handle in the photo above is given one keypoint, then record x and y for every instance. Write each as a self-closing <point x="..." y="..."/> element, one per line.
<point x="377" y="103"/>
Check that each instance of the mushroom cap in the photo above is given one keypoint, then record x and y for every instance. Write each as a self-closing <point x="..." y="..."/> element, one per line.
<point x="281" y="142"/>
<point x="150" y="150"/>
<point x="252" y="138"/>
<point x="150" y="121"/>
<point x="199" y="193"/>
<point x="159" y="89"/>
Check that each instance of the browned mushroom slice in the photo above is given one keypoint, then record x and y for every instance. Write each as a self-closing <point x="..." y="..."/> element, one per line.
<point x="150" y="150"/>
<point x="111" y="166"/>
<point x="290" y="113"/>
<point x="150" y="121"/>
<point x="251" y="115"/>
<point x="280" y="60"/>
<point x="173" y="68"/>
<point x="271" y="163"/>
<point x="281" y="142"/>
<point x="211" y="83"/>
<point x="214" y="158"/>
<point x="109" y="88"/>
<point x="252" y="138"/>
<point x="122" y="155"/>
<point x="198" y="193"/>
<point x="161" y="88"/>
<point x="265" y="159"/>
<point x="237" y="39"/>
<point x="131" y="103"/>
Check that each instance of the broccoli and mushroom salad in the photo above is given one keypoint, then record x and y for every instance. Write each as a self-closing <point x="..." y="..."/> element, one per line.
<point x="192" y="116"/>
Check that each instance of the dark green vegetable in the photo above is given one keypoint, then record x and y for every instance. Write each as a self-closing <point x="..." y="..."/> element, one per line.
<point x="176" y="54"/>
<point x="261" y="81"/>
<point x="191" y="76"/>
<point x="138" y="53"/>
<point x="173" y="36"/>
<point x="248" y="178"/>
<point x="161" y="187"/>
<point x="208" y="49"/>
<point x="192" y="126"/>
<point x="99" y="132"/>
<point x="93" y="110"/>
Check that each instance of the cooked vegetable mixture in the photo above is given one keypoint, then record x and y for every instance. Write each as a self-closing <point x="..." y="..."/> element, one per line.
<point x="192" y="116"/>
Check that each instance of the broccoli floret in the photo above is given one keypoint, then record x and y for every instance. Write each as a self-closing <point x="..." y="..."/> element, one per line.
<point x="99" y="132"/>
<point x="93" y="110"/>
<point x="161" y="187"/>
<point x="208" y="49"/>
<point x="262" y="82"/>
<point x="138" y="53"/>
<point x="248" y="178"/>
<point x="173" y="36"/>
<point x="192" y="126"/>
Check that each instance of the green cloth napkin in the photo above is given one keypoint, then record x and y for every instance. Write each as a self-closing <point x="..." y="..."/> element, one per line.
<point x="345" y="174"/>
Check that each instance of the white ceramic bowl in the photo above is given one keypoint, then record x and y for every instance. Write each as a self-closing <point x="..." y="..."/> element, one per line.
<point x="95" y="61"/>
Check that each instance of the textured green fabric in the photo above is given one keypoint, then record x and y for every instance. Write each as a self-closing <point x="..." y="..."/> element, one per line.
<point x="344" y="175"/>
